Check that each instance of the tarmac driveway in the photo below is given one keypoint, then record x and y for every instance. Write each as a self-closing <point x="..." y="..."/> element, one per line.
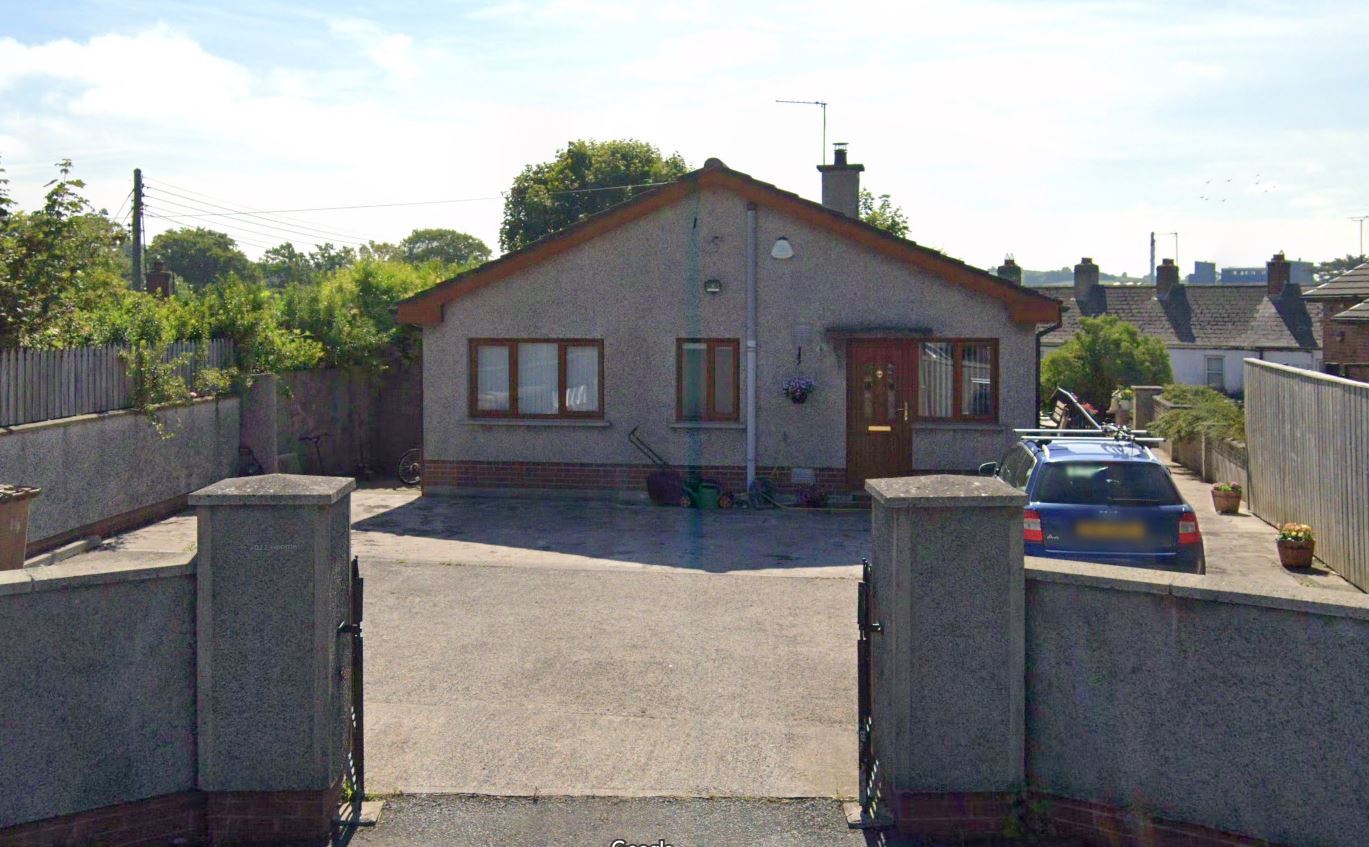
<point x="524" y="647"/>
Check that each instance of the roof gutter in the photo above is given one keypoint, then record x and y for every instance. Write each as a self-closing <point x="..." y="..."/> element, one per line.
<point x="750" y="345"/>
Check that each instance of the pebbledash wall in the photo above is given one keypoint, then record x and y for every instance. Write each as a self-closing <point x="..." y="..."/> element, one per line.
<point x="103" y="472"/>
<point x="640" y="287"/>
<point x="1146" y="709"/>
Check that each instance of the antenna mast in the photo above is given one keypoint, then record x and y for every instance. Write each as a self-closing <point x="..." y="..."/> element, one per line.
<point x="823" y="104"/>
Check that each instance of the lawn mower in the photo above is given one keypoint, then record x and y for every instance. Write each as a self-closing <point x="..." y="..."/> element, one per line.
<point x="666" y="486"/>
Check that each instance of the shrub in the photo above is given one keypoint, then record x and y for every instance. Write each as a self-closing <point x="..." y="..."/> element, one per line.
<point x="1202" y="411"/>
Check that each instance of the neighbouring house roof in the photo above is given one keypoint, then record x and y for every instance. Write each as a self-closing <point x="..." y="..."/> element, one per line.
<point x="1025" y="305"/>
<point x="1355" y="313"/>
<point x="1352" y="283"/>
<point x="1238" y="317"/>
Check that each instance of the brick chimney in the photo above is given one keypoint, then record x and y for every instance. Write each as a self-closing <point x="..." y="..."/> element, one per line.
<point x="841" y="183"/>
<point x="1010" y="271"/>
<point x="1085" y="278"/>
<point x="1279" y="275"/>
<point x="1166" y="279"/>
<point x="159" y="280"/>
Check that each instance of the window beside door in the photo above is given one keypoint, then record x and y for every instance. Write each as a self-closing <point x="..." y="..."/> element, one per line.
<point x="536" y="378"/>
<point x="1216" y="372"/>
<point x="957" y="380"/>
<point x="707" y="382"/>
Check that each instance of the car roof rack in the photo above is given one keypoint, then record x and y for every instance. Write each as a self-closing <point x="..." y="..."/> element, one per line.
<point x="1103" y="432"/>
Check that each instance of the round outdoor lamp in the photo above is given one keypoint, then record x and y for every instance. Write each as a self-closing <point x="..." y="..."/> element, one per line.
<point x="782" y="249"/>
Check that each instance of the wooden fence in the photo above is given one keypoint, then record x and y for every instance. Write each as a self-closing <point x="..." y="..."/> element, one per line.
<point x="1307" y="435"/>
<point x="39" y="385"/>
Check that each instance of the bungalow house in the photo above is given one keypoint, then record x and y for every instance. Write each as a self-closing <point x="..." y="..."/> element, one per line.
<point x="682" y="311"/>
<point x="1208" y="329"/>
<point x="1345" y="322"/>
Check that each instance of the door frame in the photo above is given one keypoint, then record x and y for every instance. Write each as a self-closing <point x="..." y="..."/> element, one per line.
<point x="907" y="390"/>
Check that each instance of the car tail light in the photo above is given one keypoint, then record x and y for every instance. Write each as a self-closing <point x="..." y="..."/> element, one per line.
<point x="1031" y="526"/>
<point x="1188" y="529"/>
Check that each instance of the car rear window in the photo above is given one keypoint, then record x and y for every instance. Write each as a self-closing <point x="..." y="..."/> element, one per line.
<point x="1107" y="484"/>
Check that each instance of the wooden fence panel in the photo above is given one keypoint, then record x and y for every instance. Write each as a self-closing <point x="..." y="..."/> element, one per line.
<point x="1307" y="439"/>
<point x="39" y="385"/>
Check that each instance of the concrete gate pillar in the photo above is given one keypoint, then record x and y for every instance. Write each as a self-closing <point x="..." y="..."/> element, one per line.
<point x="272" y="581"/>
<point x="947" y="683"/>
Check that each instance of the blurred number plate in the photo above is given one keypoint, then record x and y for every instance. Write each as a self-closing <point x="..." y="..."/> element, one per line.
<point x="877" y="428"/>
<point x="1130" y="531"/>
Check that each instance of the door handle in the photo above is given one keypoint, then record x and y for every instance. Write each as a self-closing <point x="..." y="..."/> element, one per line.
<point x="905" y="411"/>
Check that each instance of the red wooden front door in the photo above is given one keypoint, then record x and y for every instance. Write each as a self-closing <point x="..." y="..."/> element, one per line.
<point x="880" y="391"/>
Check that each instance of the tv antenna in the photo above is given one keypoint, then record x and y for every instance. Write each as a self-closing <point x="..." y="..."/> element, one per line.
<point x="1360" y="220"/>
<point x="823" y="104"/>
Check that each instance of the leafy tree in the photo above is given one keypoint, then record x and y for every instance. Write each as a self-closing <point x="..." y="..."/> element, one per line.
<point x="201" y="256"/>
<point x="328" y="257"/>
<point x="284" y="265"/>
<point x="1327" y="271"/>
<point x="553" y="195"/>
<point x="443" y="245"/>
<point x="54" y="261"/>
<point x="881" y="212"/>
<point x="1106" y="354"/>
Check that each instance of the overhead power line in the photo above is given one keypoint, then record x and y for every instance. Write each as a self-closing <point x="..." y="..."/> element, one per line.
<point x="244" y="209"/>
<point x="176" y="219"/>
<point x="211" y="209"/>
<point x="185" y="209"/>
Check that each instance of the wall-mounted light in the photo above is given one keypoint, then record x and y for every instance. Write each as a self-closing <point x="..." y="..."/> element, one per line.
<point x="713" y="286"/>
<point x="782" y="249"/>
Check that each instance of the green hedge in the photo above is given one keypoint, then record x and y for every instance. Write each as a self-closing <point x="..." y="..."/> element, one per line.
<point x="1202" y="411"/>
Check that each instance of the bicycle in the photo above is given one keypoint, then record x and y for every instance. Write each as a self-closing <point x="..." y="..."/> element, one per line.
<point x="411" y="467"/>
<point x="318" y="453"/>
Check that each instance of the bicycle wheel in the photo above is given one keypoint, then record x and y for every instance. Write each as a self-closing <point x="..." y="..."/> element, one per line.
<point x="411" y="467"/>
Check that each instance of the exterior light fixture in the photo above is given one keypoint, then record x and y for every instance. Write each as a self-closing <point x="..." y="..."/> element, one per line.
<point x="713" y="286"/>
<point x="782" y="249"/>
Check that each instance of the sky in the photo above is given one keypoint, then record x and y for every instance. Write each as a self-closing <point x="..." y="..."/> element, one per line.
<point x="1045" y="130"/>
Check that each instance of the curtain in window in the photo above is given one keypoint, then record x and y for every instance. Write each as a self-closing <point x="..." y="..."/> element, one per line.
<point x="693" y="380"/>
<point x="724" y="381"/>
<point x="492" y="378"/>
<point x="976" y="380"/>
<point x="936" y="379"/>
<point x="537" y="376"/>
<point x="582" y="379"/>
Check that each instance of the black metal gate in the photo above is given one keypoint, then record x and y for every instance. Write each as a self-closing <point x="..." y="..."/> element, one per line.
<point x="869" y="765"/>
<point x="355" y="778"/>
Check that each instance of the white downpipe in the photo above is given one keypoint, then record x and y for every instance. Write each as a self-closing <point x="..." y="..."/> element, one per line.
<point x="750" y="344"/>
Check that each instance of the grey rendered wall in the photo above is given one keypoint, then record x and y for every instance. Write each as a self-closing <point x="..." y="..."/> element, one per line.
<point x="378" y="412"/>
<point x="94" y="467"/>
<point x="640" y="287"/>
<point x="97" y="686"/>
<point x="1199" y="701"/>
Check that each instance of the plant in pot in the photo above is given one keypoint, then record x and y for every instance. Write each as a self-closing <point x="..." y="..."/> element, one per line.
<point x="1226" y="498"/>
<point x="1296" y="544"/>
<point x="797" y="388"/>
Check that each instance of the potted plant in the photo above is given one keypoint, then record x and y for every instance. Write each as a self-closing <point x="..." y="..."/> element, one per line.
<point x="797" y="388"/>
<point x="1123" y="397"/>
<point x="1296" y="545"/>
<point x="1226" y="498"/>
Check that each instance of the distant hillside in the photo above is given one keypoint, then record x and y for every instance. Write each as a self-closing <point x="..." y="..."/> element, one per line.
<point x="1066" y="275"/>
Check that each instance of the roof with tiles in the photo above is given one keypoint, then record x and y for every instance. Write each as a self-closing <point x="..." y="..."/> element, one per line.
<point x="1352" y="283"/>
<point x="1238" y="317"/>
<point x="1355" y="314"/>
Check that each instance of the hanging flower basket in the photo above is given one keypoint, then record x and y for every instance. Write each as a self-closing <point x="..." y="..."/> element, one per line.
<point x="1296" y="545"/>
<point x="797" y="388"/>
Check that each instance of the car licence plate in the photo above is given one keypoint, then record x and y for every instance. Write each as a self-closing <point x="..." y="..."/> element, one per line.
<point x="1110" y="530"/>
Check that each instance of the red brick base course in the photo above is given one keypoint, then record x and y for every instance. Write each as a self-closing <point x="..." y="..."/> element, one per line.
<point x="970" y="816"/>
<point x="190" y="818"/>
<point x="605" y="477"/>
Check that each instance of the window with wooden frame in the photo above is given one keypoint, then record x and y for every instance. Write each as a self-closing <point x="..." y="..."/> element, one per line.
<point x="957" y="380"/>
<point x="536" y="378"/>
<point x="707" y="385"/>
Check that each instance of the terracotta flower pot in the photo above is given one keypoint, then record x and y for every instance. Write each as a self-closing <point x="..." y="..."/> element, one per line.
<point x="1296" y="554"/>
<point x="1226" y="502"/>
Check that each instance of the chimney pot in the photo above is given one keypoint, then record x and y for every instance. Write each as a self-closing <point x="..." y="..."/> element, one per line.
<point x="1010" y="271"/>
<point x="1166" y="279"/>
<point x="1278" y="276"/>
<point x="1085" y="279"/>
<point x="841" y="183"/>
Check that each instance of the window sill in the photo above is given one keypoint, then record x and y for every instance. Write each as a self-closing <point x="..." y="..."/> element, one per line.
<point x="981" y="426"/>
<point x="574" y="422"/>
<point x="708" y="425"/>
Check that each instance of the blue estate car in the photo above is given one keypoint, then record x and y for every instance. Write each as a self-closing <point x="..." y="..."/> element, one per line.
<point x="1101" y="500"/>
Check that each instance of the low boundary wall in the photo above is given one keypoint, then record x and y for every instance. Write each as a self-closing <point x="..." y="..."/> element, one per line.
<point x="102" y="473"/>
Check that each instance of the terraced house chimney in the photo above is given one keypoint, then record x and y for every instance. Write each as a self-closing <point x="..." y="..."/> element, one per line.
<point x="841" y="183"/>
<point x="1279" y="275"/>
<point x="1010" y="271"/>
<point x="1166" y="279"/>
<point x="1085" y="279"/>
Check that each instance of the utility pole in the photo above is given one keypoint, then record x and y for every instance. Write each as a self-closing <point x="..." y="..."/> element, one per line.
<point x="1361" y="219"/>
<point x="139" y="281"/>
<point x="823" y="104"/>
